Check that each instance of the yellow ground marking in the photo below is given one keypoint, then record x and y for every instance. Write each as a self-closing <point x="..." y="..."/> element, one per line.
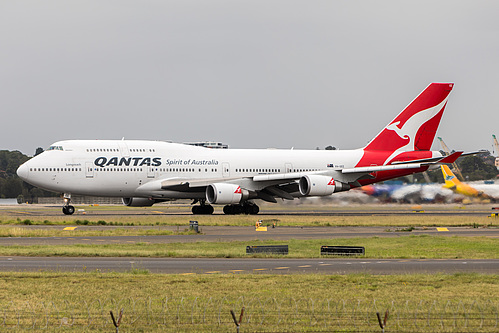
<point x="305" y="266"/>
<point x="281" y="268"/>
<point x="324" y="264"/>
<point x="442" y="229"/>
<point x="115" y="241"/>
<point x="27" y="213"/>
<point x="260" y="269"/>
<point x="213" y="272"/>
<point x="261" y="229"/>
<point x="158" y="212"/>
<point x="100" y="240"/>
<point x="236" y="270"/>
<point x="70" y="228"/>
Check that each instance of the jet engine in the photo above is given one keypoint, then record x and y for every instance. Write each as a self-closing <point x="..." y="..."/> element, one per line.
<point x="317" y="185"/>
<point x="138" y="202"/>
<point x="223" y="193"/>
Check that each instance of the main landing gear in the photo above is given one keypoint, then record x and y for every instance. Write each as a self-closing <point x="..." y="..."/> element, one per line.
<point x="202" y="209"/>
<point x="248" y="208"/>
<point x="67" y="209"/>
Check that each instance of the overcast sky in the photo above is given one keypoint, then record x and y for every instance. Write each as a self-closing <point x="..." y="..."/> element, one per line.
<point x="252" y="74"/>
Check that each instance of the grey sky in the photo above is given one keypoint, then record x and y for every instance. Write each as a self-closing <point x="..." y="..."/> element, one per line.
<point x="253" y="74"/>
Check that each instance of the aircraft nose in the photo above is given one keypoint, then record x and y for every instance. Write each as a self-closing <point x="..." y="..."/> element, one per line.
<point x="23" y="171"/>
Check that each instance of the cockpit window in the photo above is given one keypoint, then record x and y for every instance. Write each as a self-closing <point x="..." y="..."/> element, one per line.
<point x="55" y="148"/>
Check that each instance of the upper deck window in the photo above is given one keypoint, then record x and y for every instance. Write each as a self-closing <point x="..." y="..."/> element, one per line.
<point x="55" y="148"/>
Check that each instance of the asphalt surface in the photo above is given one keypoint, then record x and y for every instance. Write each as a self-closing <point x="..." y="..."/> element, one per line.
<point x="265" y="211"/>
<point x="325" y="265"/>
<point x="244" y="266"/>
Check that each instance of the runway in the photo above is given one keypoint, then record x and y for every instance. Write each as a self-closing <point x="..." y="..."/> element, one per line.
<point x="265" y="211"/>
<point x="189" y="266"/>
<point x="324" y="265"/>
<point x="227" y="234"/>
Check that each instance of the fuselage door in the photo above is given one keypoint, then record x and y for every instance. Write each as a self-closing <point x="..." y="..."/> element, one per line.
<point x="225" y="170"/>
<point x="288" y="167"/>
<point x="151" y="172"/>
<point x="89" y="170"/>
<point x="125" y="152"/>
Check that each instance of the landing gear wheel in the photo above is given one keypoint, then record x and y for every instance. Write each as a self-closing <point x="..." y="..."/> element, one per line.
<point x="68" y="210"/>
<point x="247" y="208"/>
<point x="254" y="210"/>
<point x="203" y="210"/>
<point x="250" y="209"/>
<point x="233" y="209"/>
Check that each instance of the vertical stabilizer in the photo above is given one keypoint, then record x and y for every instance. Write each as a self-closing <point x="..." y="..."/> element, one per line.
<point x="412" y="130"/>
<point x="415" y="127"/>
<point x="451" y="180"/>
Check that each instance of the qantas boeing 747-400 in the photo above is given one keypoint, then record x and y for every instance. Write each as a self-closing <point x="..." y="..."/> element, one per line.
<point x="148" y="172"/>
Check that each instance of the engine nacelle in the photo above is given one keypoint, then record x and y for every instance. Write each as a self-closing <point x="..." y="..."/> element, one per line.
<point x="317" y="185"/>
<point x="224" y="193"/>
<point x="138" y="202"/>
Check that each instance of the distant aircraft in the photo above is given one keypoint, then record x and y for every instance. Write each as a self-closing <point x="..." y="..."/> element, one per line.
<point x="408" y="193"/>
<point x="148" y="172"/>
<point x="451" y="182"/>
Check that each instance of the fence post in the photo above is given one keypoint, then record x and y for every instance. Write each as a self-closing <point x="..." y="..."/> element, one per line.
<point x="238" y="323"/>
<point x="382" y="324"/>
<point x="117" y="323"/>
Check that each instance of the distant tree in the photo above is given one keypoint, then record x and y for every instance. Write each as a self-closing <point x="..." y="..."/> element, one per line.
<point x="330" y="148"/>
<point x="38" y="151"/>
<point x="11" y="186"/>
<point x="477" y="168"/>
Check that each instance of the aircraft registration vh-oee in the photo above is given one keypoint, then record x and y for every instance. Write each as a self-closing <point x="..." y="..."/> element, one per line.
<point x="147" y="172"/>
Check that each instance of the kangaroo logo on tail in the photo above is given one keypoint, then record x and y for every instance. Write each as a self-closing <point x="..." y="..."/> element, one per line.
<point x="412" y="130"/>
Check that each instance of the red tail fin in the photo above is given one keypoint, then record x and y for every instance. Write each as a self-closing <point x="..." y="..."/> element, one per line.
<point x="412" y="130"/>
<point x="415" y="127"/>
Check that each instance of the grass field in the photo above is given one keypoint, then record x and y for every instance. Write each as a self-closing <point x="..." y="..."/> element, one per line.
<point x="80" y="302"/>
<point x="406" y="247"/>
<point x="415" y="220"/>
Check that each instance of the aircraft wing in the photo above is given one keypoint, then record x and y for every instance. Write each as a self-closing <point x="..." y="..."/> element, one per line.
<point x="284" y="185"/>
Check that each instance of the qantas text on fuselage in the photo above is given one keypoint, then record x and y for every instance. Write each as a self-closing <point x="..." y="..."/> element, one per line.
<point x="147" y="172"/>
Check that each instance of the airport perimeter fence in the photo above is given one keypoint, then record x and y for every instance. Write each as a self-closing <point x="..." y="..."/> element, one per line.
<point x="179" y="314"/>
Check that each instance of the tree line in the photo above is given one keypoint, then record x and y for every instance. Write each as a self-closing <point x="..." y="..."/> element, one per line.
<point x="11" y="186"/>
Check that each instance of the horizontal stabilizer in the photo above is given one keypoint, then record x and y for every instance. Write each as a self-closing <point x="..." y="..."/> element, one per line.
<point x="451" y="158"/>
<point x="433" y="160"/>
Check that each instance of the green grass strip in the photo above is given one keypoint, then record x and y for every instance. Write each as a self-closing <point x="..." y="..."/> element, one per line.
<point x="404" y="247"/>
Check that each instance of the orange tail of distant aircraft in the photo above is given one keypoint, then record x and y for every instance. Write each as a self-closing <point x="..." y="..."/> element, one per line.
<point x="451" y="182"/>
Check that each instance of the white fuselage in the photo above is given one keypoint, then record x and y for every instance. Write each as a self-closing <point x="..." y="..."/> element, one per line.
<point x="118" y="168"/>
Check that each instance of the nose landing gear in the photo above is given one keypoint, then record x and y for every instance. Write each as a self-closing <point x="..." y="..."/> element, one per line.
<point x="67" y="209"/>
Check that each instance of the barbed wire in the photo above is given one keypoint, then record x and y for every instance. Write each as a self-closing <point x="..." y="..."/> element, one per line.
<point x="263" y="314"/>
